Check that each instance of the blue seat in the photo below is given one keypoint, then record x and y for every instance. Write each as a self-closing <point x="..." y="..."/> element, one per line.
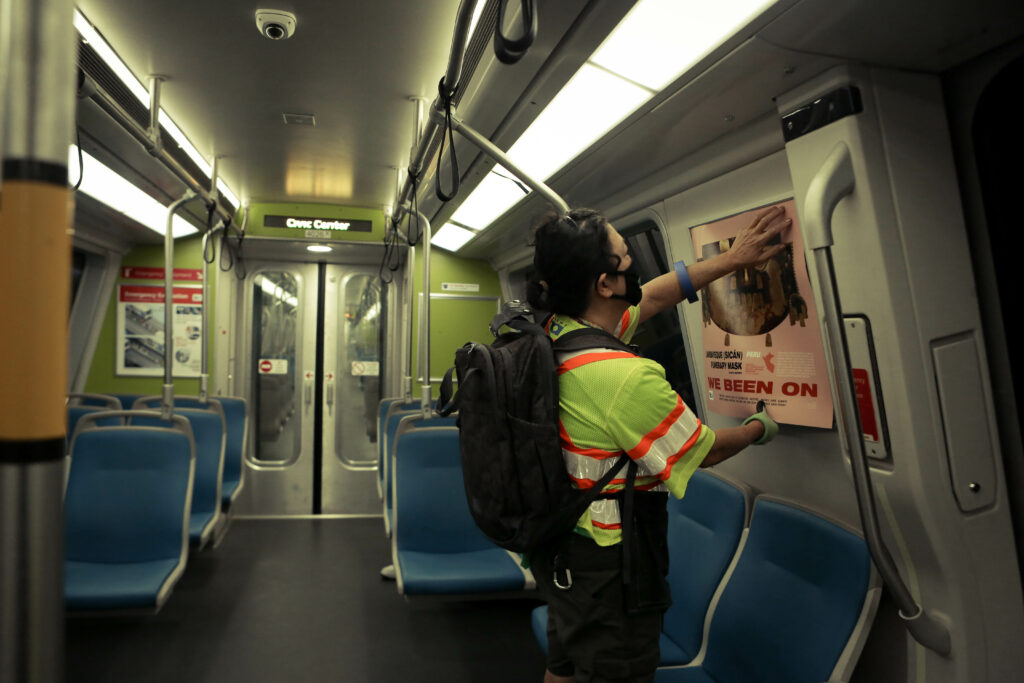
<point x="126" y="400"/>
<point x="437" y="548"/>
<point x="796" y="606"/>
<point x="387" y="408"/>
<point x="403" y="421"/>
<point x="704" y="530"/>
<point x="126" y="513"/>
<point x="236" y="413"/>
<point x="386" y="435"/>
<point x="209" y="428"/>
<point x="236" y="418"/>
<point x="79" y="404"/>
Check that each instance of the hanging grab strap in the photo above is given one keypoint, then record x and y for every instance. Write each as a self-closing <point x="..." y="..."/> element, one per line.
<point x="511" y="50"/>
<point x="446" y="98"/>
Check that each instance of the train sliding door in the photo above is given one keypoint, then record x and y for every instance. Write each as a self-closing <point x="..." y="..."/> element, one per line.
<point x="311" y="372"/>
<point x="351" y="391"/>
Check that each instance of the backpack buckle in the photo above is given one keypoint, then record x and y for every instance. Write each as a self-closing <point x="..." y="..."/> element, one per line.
<point x="563" y="583"/>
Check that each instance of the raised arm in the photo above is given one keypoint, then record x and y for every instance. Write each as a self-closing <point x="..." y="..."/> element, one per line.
<point x="750" y="248"/>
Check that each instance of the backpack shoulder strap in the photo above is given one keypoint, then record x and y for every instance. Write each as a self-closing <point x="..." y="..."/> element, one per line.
<point x="589" y="338"/>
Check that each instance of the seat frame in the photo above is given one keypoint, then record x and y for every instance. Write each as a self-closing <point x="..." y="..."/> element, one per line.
<point x="850" y="654"/>
<point x="180" y="424"/>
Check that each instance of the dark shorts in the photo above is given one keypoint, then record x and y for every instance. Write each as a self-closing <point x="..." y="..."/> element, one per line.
<point x="590" y="635"/>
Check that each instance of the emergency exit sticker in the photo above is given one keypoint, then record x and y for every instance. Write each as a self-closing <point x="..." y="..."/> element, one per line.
<point x="460" y="287"/>
<point x="273" y="366"/>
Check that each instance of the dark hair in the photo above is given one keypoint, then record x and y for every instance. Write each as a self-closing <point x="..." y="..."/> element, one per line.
<point x="570" y="253"/>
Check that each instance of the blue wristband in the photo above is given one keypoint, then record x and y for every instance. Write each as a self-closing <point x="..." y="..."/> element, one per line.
<point x="684" y="282"/>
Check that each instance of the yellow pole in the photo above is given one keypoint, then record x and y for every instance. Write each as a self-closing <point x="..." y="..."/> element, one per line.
<point x="37" y="57"/>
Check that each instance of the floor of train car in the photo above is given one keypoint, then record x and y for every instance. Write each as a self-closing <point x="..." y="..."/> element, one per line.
<point x="302" y="600"/>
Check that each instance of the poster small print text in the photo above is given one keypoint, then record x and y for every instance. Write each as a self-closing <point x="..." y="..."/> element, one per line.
<point x="140" y="331"/>
<point x="760" y="330"/>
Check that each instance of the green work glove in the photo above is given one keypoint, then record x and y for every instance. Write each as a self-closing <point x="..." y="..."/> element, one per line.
<point x="771" y="428"/>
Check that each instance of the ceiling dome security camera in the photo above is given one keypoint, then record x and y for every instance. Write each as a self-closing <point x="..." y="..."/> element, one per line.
<point x="275" y="24"/>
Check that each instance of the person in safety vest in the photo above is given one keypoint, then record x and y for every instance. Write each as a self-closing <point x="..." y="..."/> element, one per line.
<point x="600" y="626"/>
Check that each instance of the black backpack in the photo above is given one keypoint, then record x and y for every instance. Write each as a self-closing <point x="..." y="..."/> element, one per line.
<point x="518" y="489"/>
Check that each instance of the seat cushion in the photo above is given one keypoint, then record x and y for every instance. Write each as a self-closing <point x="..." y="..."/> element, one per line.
<point x="129" y="585"/>
<point x="197" y="526"/>
<point x="481" y="571"/>
<point x="228" y="488"/>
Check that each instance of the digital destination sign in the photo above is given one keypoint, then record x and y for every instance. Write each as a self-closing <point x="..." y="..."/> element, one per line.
<point x="313" y="223"/>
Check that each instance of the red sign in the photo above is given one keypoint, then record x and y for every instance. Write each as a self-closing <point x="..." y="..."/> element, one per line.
<point x="148" y="273"/>
<point x="866" y="404"/>
<point x="266" y="366"/>
<point x="155" y="295"/>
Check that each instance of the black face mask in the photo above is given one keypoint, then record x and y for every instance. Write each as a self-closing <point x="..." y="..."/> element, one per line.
<point x="634" y="292"/>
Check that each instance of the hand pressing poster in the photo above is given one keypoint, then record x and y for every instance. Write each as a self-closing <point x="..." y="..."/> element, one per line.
<point x="760" y="330"/>
<point x="140" y="331"/>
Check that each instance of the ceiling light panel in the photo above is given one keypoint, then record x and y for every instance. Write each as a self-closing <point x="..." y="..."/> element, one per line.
<point x="492" y="197"/>
<point x="104" y="185"/>
<point x="589" y="105"/>
<point x="451" y="237"/>
<point x="660" y="39"/>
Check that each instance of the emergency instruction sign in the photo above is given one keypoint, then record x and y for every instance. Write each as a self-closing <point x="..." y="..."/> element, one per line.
<point x="140" y="331"/>
<point x="760" y="331"/>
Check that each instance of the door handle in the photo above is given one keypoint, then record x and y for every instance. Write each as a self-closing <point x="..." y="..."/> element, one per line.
<point x="307" y="390"/>
<point x="330" y="394"/>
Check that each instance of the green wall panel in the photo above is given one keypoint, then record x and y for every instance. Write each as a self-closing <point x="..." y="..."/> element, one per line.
<point x="453" y="322"/>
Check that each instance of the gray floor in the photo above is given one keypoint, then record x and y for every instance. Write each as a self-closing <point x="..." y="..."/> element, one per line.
<point x="301" y="600"/>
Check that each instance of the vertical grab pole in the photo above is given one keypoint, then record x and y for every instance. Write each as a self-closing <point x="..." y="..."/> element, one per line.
<point x="204" y="371"/>
<point x="425" y="318"/>
<point x="37" y="61"/>
<point x="204" y="334"/>
<point x="167" y="402"/>
<point x="832" y="182"/>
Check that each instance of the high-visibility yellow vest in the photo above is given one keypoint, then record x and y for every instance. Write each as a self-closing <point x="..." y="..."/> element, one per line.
<point x="612" y="402"/>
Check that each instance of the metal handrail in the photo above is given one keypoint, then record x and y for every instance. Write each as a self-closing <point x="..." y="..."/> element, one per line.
<point x="493" y="151"/>
<point x="833" y="181"/>
<point x="167" y="405"/>
<point x="111" y="107"/>
<point x="448" y="84"/>
<point x="424" y="326"/>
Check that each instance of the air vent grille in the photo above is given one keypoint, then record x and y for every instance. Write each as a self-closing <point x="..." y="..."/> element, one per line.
<point x="107" y="80"/>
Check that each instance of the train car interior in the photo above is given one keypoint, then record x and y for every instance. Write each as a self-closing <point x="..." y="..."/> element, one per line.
<point x="243" y="241"/>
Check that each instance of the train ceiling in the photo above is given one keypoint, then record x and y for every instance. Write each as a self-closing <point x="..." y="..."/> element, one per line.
<point x="354" y="65"/>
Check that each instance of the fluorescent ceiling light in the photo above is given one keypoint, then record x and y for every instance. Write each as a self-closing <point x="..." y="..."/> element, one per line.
<point x="187" y="146"/>
<point x="451" y="237"/>
<point x="660" y="39"/>
<point x="318" y="248"/>
<point x="141" y="91"/>
<point x="495" y="195"/>
<point x="106" y="186"/>
<point x="228" y="193"/>
<point x="652" y="46"/>
<point x="589" y="105"/>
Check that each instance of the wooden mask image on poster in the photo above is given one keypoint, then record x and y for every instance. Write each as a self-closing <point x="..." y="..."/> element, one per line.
<point x="753" y="301"/>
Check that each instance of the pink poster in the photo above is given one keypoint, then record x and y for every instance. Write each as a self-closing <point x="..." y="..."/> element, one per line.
<point x="760" y="331"/>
